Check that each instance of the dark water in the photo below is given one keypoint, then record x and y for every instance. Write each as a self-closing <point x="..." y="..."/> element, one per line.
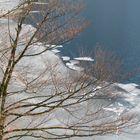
<point x="115" y="25"/>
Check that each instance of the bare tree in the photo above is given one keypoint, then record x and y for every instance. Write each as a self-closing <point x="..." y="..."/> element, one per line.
<point x="39" y="97"/>
<point x="107" y="65"/>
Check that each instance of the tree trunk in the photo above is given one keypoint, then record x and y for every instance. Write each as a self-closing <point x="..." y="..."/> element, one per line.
<point x="2" y="119"/>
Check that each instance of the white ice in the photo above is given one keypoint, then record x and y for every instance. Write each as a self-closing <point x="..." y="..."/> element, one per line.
<point x="84" y="59"/>
<point x="65" y="58"/>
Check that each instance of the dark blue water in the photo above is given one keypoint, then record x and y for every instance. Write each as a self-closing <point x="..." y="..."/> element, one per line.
<point x="115" y="25"/>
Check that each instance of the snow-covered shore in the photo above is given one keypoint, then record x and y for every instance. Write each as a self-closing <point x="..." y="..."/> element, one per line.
<point x="128" y="94"/>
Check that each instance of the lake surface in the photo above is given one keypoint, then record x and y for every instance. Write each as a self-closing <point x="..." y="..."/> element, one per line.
<point x="115" y="25"/>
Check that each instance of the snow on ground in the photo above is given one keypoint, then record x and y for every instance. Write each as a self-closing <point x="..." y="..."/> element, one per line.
<point x="133" y="95"/>
<point x="47" y="66"/>
<point x="129" y="93"/>
<point x="130" y="87"/>
<point x="7" y="5"/>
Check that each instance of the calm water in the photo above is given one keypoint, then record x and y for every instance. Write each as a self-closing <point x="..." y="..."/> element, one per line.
<point x="115" y="25"/>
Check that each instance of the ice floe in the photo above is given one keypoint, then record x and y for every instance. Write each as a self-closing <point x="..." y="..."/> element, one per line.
<point x="74" y="67"/>
<point x="84" y="59"/>
<point x="65" y="58"/>
<point x="55" y="50"/>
